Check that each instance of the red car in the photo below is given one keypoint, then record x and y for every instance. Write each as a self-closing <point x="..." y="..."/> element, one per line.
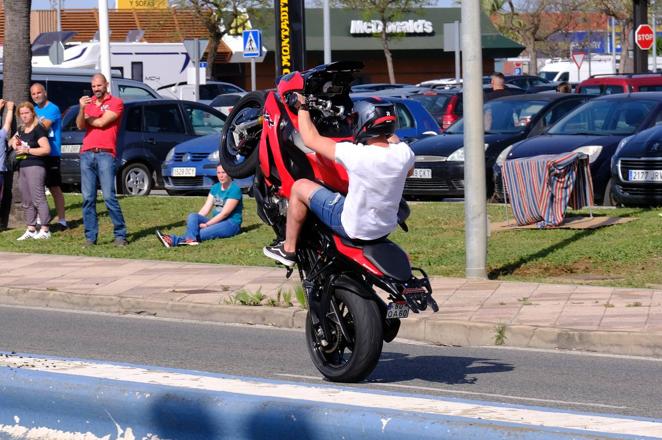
<point x="626" y="83"/>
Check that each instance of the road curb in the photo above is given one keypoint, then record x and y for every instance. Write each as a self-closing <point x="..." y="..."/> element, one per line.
<point x="427" y="329"/>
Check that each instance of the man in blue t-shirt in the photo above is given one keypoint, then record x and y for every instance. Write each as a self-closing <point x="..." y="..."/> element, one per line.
<point x="225" y="204"/>
<point x="51" y="119"/>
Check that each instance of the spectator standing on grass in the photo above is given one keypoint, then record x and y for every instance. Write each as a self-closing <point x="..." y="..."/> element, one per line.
<point x="100" y="115"/>
<point x="51" y="119"/>
<point x="32" y="146"/>
<point x="4" y="133"/>
<point x="224" y="202"/>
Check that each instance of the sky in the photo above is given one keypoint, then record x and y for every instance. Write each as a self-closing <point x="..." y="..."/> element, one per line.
<point x="87" y="4"/>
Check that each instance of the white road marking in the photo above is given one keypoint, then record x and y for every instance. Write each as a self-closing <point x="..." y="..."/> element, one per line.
<point x="344" y="396"/>
<point x="468" y="393"/>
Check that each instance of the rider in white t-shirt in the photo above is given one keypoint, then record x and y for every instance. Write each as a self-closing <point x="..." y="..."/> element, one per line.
<point x="377" y="165"/>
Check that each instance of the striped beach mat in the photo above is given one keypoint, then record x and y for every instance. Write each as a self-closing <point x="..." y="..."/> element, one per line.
<point x="541" y="188"/>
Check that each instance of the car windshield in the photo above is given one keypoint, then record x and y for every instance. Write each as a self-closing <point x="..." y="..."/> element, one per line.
<point x="505" y="116"/>
<point x="434" y="104"/>
<point x="549" y="76"/>
<point x="605" y="117"/>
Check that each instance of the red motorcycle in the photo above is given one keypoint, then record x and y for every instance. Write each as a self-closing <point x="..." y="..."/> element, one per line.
<point x="347" y="320"/>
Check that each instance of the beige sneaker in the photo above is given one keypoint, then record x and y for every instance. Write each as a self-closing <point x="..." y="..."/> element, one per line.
<point x="42" y="235"/>
<point x="27" y="235"/>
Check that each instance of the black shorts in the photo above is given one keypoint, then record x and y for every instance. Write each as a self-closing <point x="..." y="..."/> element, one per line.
<point x="53" y="176"/>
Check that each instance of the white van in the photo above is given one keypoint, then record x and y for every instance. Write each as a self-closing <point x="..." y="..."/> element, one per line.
<point x="566" y="70"/>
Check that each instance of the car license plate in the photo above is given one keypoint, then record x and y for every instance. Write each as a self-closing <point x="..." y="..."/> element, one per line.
<point x="183" y="172"/>
<point x="71" y="149"/>
<point x="422" y="173"/>
<point x="397" y="310"/>
<point x="645" y="175"/>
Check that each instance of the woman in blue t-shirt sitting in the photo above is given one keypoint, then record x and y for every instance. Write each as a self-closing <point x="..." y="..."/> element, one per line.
<point x="224" y="202"/>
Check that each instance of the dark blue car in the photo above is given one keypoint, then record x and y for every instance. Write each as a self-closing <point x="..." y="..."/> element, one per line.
<point x="439" y="168"/>
<point x="636" y="169"/>
<point x="595" y="128"/>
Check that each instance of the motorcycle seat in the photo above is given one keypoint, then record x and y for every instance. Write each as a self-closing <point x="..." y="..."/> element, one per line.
<point x="387" y="256"/>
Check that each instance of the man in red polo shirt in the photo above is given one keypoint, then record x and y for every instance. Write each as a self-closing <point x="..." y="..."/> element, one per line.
<point x="100" y="115"/>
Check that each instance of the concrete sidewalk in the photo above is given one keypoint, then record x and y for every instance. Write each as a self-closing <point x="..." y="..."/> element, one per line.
<point x="600" y="319"/>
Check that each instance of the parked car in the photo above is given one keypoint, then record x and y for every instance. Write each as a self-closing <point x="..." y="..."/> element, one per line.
<point x="636" y="169"/>
<point x="226" y="101"/>
<point x="439" y="168"/>
<point x="447" y="102"/>
<point x="148" y="130"/>
<point x="626" y="83"/>
<point x="208" y="91"/>
<point x="66" y="86"/>
<point x="375" y="87"/>
<point x="594" y="128"/>
<point x="414" y="122"/>
<point x="530" y="83"/>
<point x="190" y="167"/>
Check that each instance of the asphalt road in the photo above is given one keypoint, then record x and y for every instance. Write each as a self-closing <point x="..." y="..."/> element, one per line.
<point x="581" y="382"/>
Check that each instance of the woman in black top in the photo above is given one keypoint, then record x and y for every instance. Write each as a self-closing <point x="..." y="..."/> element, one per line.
<point x="31" y="145"/>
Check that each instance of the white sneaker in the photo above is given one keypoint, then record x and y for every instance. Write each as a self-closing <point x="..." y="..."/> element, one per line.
<point x="27" y="234"/>
<point x="42" y="235"/>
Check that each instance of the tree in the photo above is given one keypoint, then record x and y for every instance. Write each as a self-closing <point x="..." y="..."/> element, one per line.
<point x="533" y="22"/>
<point x="17" y="71"/>
<point x="222" y="17"/>
<point x="386" y="11"/>
<point x="621" y="10"/>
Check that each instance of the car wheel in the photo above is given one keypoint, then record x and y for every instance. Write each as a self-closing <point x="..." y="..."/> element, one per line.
<point x="608" y="199"/>
<point x="136" y="180"/>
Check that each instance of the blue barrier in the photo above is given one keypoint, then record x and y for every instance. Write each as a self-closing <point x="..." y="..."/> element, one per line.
<point x="69" y="406"/>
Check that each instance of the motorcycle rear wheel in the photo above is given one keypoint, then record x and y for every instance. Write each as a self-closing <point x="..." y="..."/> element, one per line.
<point x="239" y="156"/>
<point x="348" y="359"/>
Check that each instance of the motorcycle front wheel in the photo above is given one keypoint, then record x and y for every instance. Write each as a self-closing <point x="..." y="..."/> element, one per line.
<point x="354" y="341"/>
<point x="240" y="139"/>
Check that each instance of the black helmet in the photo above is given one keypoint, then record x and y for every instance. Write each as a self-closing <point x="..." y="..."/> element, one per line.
<point x="372" y="118"/>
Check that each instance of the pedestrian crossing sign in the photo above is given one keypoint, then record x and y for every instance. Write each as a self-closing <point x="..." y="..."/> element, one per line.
<point x="252" y="43"/>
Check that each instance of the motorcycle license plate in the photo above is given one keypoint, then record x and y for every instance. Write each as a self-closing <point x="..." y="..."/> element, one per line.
<point x="397" y="310"/>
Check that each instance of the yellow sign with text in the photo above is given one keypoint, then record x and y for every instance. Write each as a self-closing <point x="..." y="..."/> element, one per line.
<point x="142" y="4"/>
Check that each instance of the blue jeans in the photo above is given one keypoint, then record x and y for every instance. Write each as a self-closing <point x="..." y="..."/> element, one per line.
<point x="327" y="206"/>
<point x="223" y="229"/>
<point x="99" y="167"/>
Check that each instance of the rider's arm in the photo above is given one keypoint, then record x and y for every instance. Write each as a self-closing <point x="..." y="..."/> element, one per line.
<point x="312" y="139"/>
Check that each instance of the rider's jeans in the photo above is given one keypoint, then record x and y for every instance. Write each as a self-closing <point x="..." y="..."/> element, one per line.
<point x="327" y="206"/>
<point x="99" y="167"/>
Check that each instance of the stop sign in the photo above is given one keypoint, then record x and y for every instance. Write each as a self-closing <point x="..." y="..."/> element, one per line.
<point x="643" y="36"/>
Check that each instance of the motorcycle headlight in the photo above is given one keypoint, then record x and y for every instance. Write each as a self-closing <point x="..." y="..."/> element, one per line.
<point x="501" y="158"/>
<point x="593" y="151"/>
<point x="170" y="155"/>
<point x="213" y="156"/>
<point x="458" y="155"/>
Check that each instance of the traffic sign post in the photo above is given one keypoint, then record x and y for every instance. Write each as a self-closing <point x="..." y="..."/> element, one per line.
<point x="252" y="49"/>
<point x="578" y="58"/>
<point x="644" y="37"/>
<point x="195" y="48"/>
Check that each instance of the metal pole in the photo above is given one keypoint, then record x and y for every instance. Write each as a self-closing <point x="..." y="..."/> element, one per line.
<point x="253" y="79"/>
<point x="59" y="15"/>
<point x="640" y="16"/>
<point x="613" y="45"/>
<point x="475" y="204"/>
<point x="327" y="32"/>
<point x="196" y="63"/>
<point x="654" y="37"/>
<point x="458" y="72"/>
<point x="104" y="40"/>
